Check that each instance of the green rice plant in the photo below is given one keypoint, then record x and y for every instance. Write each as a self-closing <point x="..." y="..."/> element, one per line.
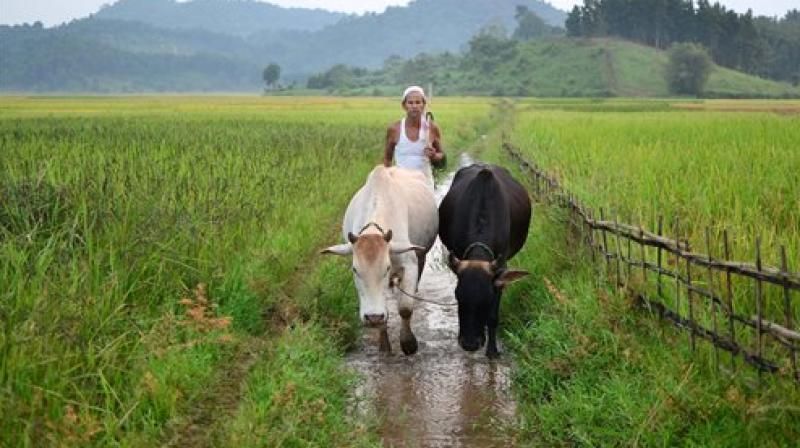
<point x="145" y="240"/>
<point x="594" y="369"/>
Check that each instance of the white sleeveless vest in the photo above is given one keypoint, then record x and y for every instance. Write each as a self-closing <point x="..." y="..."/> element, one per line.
<point x="411" y="154"/>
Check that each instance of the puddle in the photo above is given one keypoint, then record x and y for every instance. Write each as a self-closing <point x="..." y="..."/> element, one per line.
<point x="442" y="396"/>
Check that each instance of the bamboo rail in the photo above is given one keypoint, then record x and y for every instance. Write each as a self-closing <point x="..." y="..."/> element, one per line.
<point x="709" y="301"/>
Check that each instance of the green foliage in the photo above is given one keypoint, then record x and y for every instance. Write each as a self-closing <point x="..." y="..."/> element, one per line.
<point x="783" y="38"/>
<point x="591" y="368"/>
<point x="644" y="159"/>
<point x="114" y="210"/>
<point x="688" y="69"/>
<point x="139" y="45"/>
<point x="271" y="74"/>
<point x="762" y="46"/>
<point x="146" y="241"/>
<point x="554" y="67"/>
<point x="530" y="26"/>
<point x="295" y="397"/>
<point x="36" y="59"/>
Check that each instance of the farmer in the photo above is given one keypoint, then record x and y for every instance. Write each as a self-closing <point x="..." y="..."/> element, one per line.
<point x="414" y="142"/>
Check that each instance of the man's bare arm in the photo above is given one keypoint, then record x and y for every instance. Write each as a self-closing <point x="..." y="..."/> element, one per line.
<point x="391" y="142"/>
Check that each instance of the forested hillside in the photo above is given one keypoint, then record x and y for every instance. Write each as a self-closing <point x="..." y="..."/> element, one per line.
<point x="237" y="17"/>
<point x="549" y="67"/>
<point x="60" y="61"/>
<point x="220" y="45"/>
<point x="762" y="46"/>
<point x="164" y="38"/>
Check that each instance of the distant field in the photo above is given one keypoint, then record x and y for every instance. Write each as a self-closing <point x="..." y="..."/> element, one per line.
<point x="721" y="164"/>
<point x="114" y="210"/>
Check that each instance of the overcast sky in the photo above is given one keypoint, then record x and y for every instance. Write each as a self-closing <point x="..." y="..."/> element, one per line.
<point x="53" y="12"/>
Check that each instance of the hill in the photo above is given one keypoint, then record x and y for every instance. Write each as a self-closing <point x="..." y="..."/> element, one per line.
<point x="234" y="17"/>
<point x="41" y="60"/>
<point x="551" y="67"/>
<point x="165" y="36"/>
<point x="424" y="26"/>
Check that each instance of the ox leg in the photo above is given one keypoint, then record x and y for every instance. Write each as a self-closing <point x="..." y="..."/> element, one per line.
<point x="383" y="340"/>
<point x="491" y="324"/>
<point x="405" y="307"/>
<point x="420" y="266"/>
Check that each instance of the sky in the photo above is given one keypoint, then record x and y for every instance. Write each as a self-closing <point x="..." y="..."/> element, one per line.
<point x="54" y="12"/>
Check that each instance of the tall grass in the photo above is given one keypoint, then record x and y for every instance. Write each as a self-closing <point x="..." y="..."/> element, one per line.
<point x="709" y="169"/>
<point x="144" y="239"/>
<point x="593" y="369"/>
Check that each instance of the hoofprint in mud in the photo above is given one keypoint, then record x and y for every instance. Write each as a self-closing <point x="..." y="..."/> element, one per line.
<point x="390" y="225"/>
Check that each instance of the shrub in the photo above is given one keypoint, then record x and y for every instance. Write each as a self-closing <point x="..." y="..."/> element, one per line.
<point x="688" y="69"/>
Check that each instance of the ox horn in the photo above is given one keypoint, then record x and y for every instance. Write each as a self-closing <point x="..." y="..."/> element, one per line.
<point x="497" y="263"/>
<point x="388" y="235"/>
<point x="352" y="238"/>
<point x="453" y="261"/>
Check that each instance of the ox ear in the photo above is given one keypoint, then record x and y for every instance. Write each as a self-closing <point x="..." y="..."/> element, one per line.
<point x="506" y="276"/>
<point x="339" y="249"/>
<point x="399" y="248"/>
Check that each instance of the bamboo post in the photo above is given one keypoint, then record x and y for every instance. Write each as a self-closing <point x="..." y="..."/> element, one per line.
<point x="711" y="293"/>
<point x="590" y="231"/>
<point x="759" y="310"/>
<point x="729" y="297"/>
<point x="677" y="270"/>
<point x="787" y="311"/>
<point x="659" y="252"/>
<point x="605" y="244"/>
<point x="619" y="251"/>
<point x="690" y="304"/>
<point x="643" y="256"/>
<point x="628" y="260"/>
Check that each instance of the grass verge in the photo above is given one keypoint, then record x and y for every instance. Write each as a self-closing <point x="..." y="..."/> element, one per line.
<point x="593" y="369"/>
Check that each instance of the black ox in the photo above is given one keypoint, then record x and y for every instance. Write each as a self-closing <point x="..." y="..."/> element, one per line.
<point x="483" y="222"/>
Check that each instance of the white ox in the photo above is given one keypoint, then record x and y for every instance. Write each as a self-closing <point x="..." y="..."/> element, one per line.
<point x="391" y="223"/>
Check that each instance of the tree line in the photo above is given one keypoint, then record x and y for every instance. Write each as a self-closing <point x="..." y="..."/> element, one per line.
<point x="763" y="46"/>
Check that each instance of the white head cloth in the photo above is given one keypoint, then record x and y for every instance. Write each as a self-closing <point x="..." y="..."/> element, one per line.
<point x="413" y="89"/>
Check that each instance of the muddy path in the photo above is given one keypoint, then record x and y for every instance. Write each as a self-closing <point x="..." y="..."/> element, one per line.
<point x="442" y="396"/>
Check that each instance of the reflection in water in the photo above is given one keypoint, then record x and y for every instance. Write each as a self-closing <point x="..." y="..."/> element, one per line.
<point x="442" y="396"/>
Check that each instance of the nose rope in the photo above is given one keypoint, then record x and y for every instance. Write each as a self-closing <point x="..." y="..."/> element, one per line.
<point x="396" y="284"/>
<point x="483" y="246"/>
<point x="373" y="224"/>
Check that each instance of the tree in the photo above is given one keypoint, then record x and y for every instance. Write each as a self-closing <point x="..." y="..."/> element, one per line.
<point x="271" y="75"/>
<point x="688" y="69"/>
<point x="573" y="22"/>
<point x="530" y="26"/>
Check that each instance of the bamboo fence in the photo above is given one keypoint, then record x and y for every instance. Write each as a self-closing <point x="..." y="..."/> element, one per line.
<point x="700" y="293"/>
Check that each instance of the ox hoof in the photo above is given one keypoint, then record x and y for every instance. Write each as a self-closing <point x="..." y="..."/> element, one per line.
<point x="409" y="345"/>
<point x="492" y="354"/>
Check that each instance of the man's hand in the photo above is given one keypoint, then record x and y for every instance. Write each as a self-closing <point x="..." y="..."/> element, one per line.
<point x="431" y="153"/>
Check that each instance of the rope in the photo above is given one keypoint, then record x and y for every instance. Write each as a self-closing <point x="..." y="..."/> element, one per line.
<point x="478" y="244"/>
<point x="372" y="223"/>
<point x="395" y="284"/>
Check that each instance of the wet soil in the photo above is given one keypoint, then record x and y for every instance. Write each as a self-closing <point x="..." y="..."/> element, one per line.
<point x="441" y="396"/>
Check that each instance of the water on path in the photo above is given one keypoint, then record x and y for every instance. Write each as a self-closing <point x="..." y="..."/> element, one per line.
<point x="442" y="396"/>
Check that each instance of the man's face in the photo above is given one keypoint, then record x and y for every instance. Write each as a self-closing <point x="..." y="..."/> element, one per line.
<point x="414" y="104"/>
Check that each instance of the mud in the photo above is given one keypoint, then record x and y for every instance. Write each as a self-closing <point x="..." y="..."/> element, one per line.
<point x="442" y="396"/>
